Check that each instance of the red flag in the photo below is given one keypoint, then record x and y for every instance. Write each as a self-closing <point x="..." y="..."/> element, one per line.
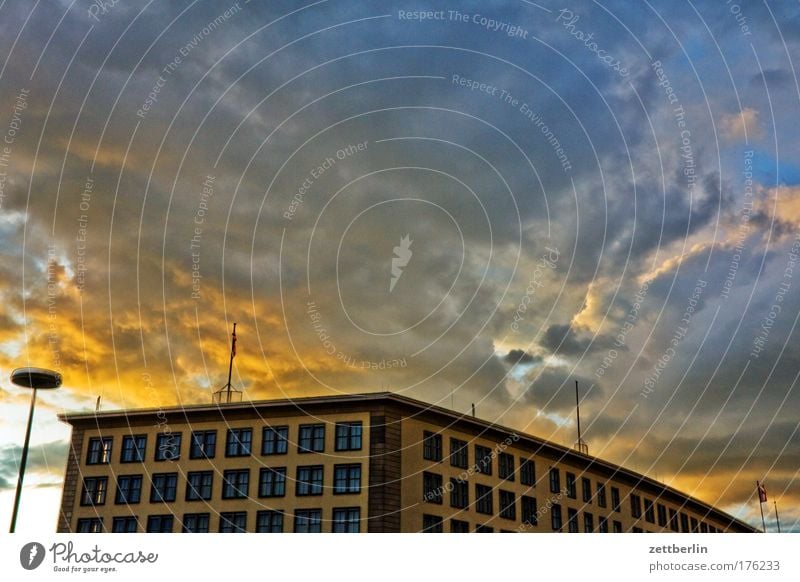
<point x="233" y="343"/>
<point x="762" y="492"/>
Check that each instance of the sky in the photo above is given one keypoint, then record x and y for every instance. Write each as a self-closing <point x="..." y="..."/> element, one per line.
<point x="471" y="202"/>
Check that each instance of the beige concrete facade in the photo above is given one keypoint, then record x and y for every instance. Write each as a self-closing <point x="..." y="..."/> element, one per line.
<point x="399" y="490"/>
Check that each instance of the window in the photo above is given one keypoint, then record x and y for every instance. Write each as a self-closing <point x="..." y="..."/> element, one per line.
<point x="309" y="480"/>
<point x="459" y="493"/>
<point x="571" y="492"/>
<point x="275" y="441"/>
<point x="346" y="520"/>
<point x="555" y="517"/>
<point x="99" y="451"/>
<point x="483" y="460"/>
<point x="133" y="448"/>
<point x="432" y="487"/>
<point x="168" y="447"/>
<point x="662" y="515"/>
<point x="694" y="525"/>
<point x="239" y="442"/>
<point x="588" y="522"/>
<point x="602" y="524"/>
<point x="432" y="524"/>
<point x="529" y="510"/>
<point x="163" y="487"/>
<point x="649" y="514"/>
<point x="480" y="528"/>
<point x="233" y="522"/>
<point x="269" y="522"/>
<point x="195" y="523"/>
<point x="346" y="479"/>
<point x="617" y="525"/>
<point x="572" y="520"/>
<point x="198" y="485"/>
<point x="615" y="499"/>
<point x="527" y="472"/>
<point x="508" y="505"/>
<point x="483" y="499"/>
<point x="129" y="489"/>
<point x="684" y="523"/>
<point x="235" y="483"/>
<point x="308" y="521"/>
<point x="90" y="525"/>
<point x="555" y="481"/>
<point x="459" y="451"/>
<point x="272" y="482"/>
<point x="506" y="466"/>
<point x="703" y="527"/>
<point x="431" y="446"/>
<point x="312" y="438"/>
<point x="94" y="491"/>
<point x="159" y="524"/>
<point x="673" y="520"/>
<point x="636" y="506"/>
<point x="203" y="445"/>
<point x="637" y="530"/>
<point x="601" y="495"/>
<point x="348" y="436"/>
<point x="458" y="526"/>
<point x="586" y="489"/>
<point x="124" y="525"/>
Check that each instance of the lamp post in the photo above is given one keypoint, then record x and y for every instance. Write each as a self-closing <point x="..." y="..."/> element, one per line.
<point x="35" y="379"/>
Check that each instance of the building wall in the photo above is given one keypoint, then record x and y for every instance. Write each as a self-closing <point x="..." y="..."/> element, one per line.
<point x="415" y="505"/>
<point x="73" y="511"/>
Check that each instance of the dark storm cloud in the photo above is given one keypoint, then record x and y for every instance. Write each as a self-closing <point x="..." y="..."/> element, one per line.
<point x="46" y="458"/>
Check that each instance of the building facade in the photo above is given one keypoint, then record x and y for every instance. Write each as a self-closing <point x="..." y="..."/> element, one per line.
<point x="354" y="463"/>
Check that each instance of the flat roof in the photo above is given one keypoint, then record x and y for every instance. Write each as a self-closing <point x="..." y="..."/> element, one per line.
<point x="551" y="449"/>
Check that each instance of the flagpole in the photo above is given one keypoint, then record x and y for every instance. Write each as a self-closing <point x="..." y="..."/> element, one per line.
<point x="761" y="507"/>
<point x="777" y="519"/>
<point x="230" y="366"/>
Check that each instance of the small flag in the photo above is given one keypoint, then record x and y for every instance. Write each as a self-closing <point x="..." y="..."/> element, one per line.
<point x="762" y="492"/>
<point x="233" y="343"/>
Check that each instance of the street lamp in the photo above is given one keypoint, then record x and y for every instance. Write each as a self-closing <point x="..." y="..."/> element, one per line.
<point x="34" y="378"/>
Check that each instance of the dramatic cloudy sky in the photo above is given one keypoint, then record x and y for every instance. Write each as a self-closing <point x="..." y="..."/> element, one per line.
<point x="607" y="193"/>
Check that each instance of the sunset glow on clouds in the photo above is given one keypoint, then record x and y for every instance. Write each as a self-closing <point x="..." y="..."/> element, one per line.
<point x="569" y="222"/>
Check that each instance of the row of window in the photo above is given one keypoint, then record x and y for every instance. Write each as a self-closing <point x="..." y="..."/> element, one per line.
<point x="432" y="450"/>
<point x="343" y="520"/>
<point x="435" y="523"/>
<point x="433" y="491"/>
<point x="238" y="443"/>
<point x="235" y="484"/>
